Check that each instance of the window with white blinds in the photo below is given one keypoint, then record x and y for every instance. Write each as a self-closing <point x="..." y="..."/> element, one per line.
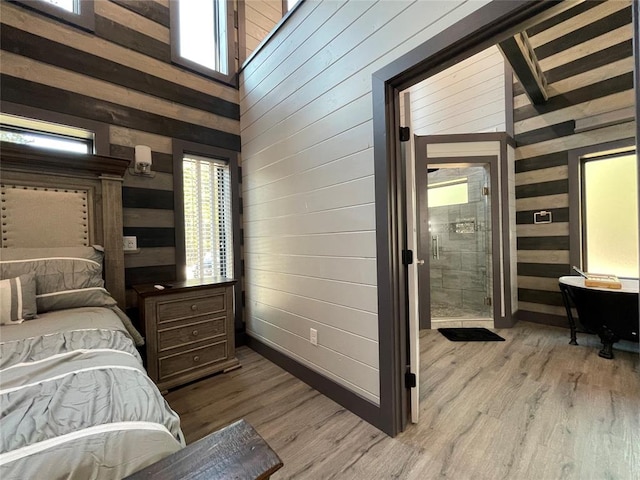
<point x="208" y="220"/>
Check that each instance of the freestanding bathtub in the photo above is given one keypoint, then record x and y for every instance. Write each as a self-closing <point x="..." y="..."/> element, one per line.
<point x="611" y="313"/>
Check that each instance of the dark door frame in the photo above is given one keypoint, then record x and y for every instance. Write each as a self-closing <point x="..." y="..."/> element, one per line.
<point x="488" y="25"/>
<point x="421" y="192"/>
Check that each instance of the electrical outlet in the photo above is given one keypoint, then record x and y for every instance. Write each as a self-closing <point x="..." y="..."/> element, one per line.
<point x="313" y="336"/>
<point x="130" y="243"/>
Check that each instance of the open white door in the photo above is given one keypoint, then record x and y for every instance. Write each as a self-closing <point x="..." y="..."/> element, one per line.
<point x="412" y="244"/>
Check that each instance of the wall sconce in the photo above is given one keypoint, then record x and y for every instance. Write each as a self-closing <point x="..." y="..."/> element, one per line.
<point x="142" y="161"/>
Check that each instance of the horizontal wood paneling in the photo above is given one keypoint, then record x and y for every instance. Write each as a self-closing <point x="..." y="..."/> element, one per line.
<point x="133" y="197"/>
<point x="543" y="256"/>
<point x="305" y="116"/>
<point x="260" y="17"/>
<point x="352" y="320"/>
<point x="156" y="274"/>
<point x="151" y="256"/>
<point x="131" y="19"/>
<point x="122" y="75"/>
<point x="152" y="10"/>
<point x="588" y="63"/>
<point x="364" y="350"/>
<point x="579" y="18"/>
<point x="564" y="16"/>
<point x="357" y="377"/>
<point x="587" y="32"/>
<point x="343" y="169"/>
<point x="52" y="30"/>
<point x="114" y="32"/>
<point x="65" y="101"/>
<point x="355" y="270"/>
<point x="544" y="243"/>
<point x="151" y="237"/>
<point x="148" y="217"/>
<point x="549" y="270"/>
<point x="161" y="162"/>
<point x="610" y="86"/>
<point x="353" y="295"/>
<point x="350" y="244"/>
<point x="468" y="93"/>
<point x="543" y="161"/>
<point x="346" y="194"/>
<point x="35" y="47"/>
<point x="557" y="214"/>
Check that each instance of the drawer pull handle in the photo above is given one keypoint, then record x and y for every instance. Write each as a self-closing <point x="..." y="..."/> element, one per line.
<point x="196" y="358"/>
<point x="194" y="333"/>
<point x="194" y="307"/>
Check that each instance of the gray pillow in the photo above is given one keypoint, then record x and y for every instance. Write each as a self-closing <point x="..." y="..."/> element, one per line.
<point x="17" y="299"/>
<point x="66" y="277"/>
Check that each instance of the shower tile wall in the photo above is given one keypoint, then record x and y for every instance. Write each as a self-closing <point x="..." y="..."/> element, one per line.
<point x="461" y="275"/>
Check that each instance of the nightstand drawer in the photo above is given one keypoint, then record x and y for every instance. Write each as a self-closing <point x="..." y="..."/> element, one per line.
<point x="173" y="337"/>
<point x="192" y="359"/>
<point x="184" y="308"/>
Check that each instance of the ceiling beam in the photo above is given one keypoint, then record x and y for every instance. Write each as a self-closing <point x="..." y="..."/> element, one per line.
<point x="519" y="53"/>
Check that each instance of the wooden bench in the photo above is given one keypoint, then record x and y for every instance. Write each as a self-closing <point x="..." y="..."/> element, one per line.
<point x="236" y="451"/>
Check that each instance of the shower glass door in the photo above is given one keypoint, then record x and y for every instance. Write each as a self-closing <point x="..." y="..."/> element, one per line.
<point x="458" y="241"/>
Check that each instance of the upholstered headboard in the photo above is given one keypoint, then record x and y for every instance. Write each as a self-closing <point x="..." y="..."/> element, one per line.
<point x="62" y="199"/>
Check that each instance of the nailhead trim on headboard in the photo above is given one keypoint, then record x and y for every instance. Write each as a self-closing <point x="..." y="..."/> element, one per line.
<point x="42" y="216"/>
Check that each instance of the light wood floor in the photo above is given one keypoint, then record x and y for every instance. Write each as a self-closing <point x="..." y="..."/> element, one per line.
<point x="532" y="407"/>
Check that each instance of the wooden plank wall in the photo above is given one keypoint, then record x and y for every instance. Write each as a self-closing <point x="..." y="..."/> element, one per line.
<point x="468" y="97"/>
<point x="586" y="54"/>
<point x="121" y="75"/>
<point x="260" y="18"/>
<point x="308" y="185"/>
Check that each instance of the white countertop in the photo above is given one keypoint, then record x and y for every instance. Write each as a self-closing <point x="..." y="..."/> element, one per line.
<point x="629" y="285"/>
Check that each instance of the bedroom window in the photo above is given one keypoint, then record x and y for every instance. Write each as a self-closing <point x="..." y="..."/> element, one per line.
<point x="76" y="12"/>
<point x="39" y="134"/>
<point x="202" y="35"/>
<point x="610" y="214"/>
<point x="208" y="226"/>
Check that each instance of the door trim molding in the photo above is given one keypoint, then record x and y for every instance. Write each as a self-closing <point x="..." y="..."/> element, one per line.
<point x="494" y="172"/>
<point x="486" y="26"/>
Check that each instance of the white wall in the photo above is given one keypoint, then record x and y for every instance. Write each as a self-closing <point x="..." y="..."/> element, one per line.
<point x="308" y="189"/>
<point x="468" y="97"/>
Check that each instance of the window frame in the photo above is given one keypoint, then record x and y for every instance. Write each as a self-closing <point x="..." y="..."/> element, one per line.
<point x="229" y="78"/>
<point x="85" y="19"/>
<point x="576" y="159"/>
<point x="180" y="148"/>
<point x="101" y="142"/>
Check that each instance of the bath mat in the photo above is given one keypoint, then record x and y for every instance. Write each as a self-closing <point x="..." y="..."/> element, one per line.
<point x="470" y="335"/>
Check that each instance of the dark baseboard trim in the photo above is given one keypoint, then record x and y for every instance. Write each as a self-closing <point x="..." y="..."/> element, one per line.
<point x="349" y="400"/>
<point x="241" y="338"/>
<point x="542" y="318"/>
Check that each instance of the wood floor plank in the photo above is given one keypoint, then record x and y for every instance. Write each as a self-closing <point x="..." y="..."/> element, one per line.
<point x="532" y="407"/>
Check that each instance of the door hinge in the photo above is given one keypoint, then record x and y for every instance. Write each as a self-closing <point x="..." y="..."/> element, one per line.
<point x="410" y="380"/>
<point x="405" y="134"/>
<point x="485" y="191"/>
<point x="487" y="301"/>
<point x="407" y="257"/>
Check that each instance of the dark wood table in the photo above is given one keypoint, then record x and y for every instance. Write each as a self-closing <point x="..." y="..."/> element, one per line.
<point x="236" y="451"/>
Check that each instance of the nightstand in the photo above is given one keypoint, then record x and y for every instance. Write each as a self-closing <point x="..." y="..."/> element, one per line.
<point x="188" y="328"/>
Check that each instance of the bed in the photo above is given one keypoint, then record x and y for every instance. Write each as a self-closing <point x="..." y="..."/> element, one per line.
<point x="75" y="400"/>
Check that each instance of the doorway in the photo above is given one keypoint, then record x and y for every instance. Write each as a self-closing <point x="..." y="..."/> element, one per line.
<point x="494" y="22"/>
<point x="455" y="234"/>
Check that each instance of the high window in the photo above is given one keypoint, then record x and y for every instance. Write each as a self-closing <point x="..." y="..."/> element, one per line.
<point x="201" y="38"/>
<point x="610" y="214"/>
<point x="208" y="226"/>
<point x="76" y="12"/>
<point x="289" y="4"/>
<point x="36" y="133"/>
